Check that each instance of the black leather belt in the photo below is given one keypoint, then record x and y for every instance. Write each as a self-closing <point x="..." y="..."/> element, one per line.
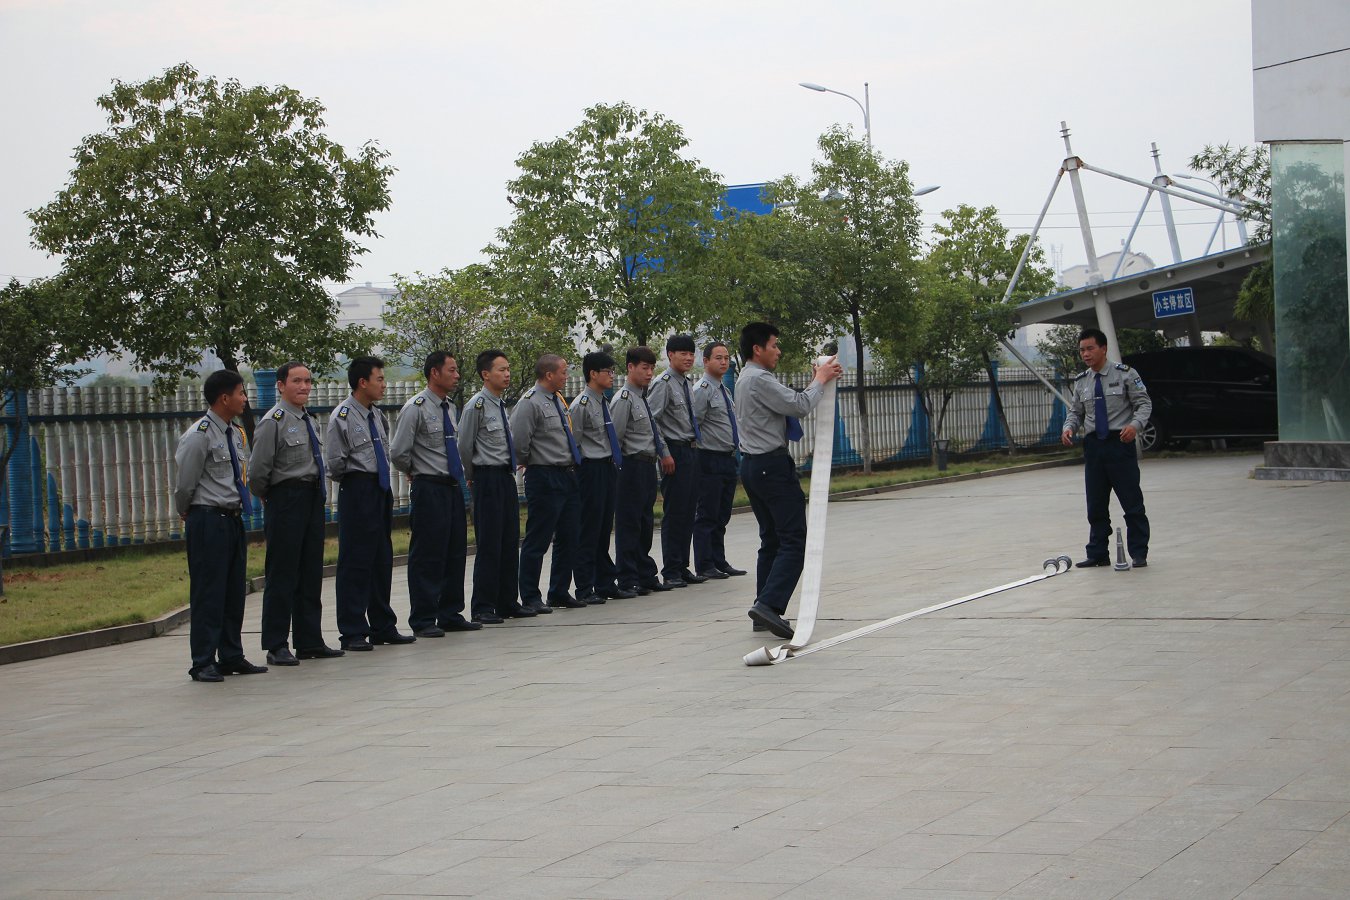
<point x="220" y="510"/>
<point x="437" y="479"/>
<point x="781" y="451"/>
<point x="308" y="484"/>
<point x="717" y="452"/>
<point x="641" y="457"/>
<point x="571" y="468"/>
<point x="502" y="468"/>
<point x="671" y="442"/>
<point x="360" y="476"/>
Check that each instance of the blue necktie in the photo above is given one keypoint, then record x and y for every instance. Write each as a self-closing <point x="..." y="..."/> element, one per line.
<point x="506" y="426"/>
<point x="381" y="460"/>
<point x="453" y="463"/>
<point x="1099" y="408"/>
<point x="245" y="501"/>
<point x="567" y="429"/>
<point x="314" y="448"/>
<point x="689" y="404"/>
<point x="731" y="414"/>
<point x="656" y="435"/>
<point x="611" y="434"/>
<point x="794" y="428"/>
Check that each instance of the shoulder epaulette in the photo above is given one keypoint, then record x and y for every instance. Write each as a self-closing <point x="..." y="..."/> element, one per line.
<point x="419" y="401"/>
<point x="478" y="404"/>
<point x="204" y="425"/>
<point x="342" y="412"/>
<point x="585" y="399"/>
<point x="1081" y="374"/>
<point x="623" y="394"/>
<point x="1122" y="367"/>
<point x="278" y="413"/>
<point x="665" y="376"/>
<point x="529" y="393"/>
<point x="701" y="385"/>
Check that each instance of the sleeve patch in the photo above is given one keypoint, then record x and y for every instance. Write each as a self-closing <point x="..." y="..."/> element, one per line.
<point x="1139" y="383"/>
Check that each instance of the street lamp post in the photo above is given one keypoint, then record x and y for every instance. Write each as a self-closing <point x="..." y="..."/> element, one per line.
<point x="865" y="107"/>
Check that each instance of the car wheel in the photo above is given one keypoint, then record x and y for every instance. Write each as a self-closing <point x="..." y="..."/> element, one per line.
<point x="1152" y="438"/>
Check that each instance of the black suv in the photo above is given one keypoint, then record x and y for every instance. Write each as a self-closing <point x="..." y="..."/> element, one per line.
<point x="1207" y="392"/>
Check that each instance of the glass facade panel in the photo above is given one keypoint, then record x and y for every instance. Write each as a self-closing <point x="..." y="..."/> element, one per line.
<point x="1312" y="297"/>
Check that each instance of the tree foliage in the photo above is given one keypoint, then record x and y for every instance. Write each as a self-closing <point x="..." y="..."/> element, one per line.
<point x="1059" y="347"/>
<point x="206" y="216"/>
<point x="463" y="312"/>
<point x="609" y="226"/>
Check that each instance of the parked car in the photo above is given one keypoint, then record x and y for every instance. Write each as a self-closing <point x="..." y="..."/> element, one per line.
<point x="1207" y="393"/>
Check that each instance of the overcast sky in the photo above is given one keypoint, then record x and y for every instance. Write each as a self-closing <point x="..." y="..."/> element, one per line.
<point x="970" y="93"/>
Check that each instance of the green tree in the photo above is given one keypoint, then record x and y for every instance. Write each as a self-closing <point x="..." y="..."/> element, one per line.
<point x="462" y="311"/>
<point x="861" y="230"/>
<point x="609" y="226"/>
<point x="206" y="216"/>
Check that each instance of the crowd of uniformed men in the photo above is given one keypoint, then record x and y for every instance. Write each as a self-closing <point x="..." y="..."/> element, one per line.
<point x="592" y="468"/>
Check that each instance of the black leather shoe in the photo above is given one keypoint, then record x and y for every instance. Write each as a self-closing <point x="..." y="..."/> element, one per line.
<point x="282" y="656"/>
<point x="758" y="627"/>
<point x="207" y="673"/>
<point x="431" y="631"/>
<point x="641" y="590"/>
<point x="517" y="612"/>
<point x="1140" y="562"/>
<point x="462" y="625"/>
<point x="240" y="666"/>
<point x="567" y="601"/>
<point x="657" y="587"/>
<point x="731" y="570"/>
<point x="1091" y="563"/>
<point x="538" y="607"/>
<point x="713" y="574"/>
<point x="320" y="652"/>
<point x="690" y="578"/>
<point x="675" y="583"/>
<point x="771" y="620"/>
<point x="357" y="644"/>
<point x="392" y="637"/>
<point x="487" y="619"/>
<point x="620" y="594"/>
<point x="591" y="599"/>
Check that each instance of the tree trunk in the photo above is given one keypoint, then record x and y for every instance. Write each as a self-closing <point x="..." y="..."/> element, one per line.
<point x="865" y="431"/>
<point x="998" y="403"/>
<point x="230" y="362"/>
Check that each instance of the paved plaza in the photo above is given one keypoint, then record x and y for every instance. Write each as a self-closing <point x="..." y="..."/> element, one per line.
<point x="1176" y="731"/>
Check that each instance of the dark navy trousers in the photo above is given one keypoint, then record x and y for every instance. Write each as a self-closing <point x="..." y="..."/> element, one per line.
<point x="716" y="493"/>
<point x="634" y="522"/>
<point x="1110" y="464"/>
<point x="496" y="525"/>
<point x="780" y="509"/>
<point x="594" y="569"/>
<point x="552" y="516"/>
<point x="436" y="552"/>
<point x="365" y="567"/>
<point x="679" y="501"/>
<point x="216" y="555"/>
<point x="292" y="604"/>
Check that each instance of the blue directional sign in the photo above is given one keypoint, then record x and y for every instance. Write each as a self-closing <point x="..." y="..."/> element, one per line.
<point x="1177" y="302"/>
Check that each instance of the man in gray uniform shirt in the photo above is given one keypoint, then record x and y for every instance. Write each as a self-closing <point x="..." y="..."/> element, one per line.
<point x="717" y="464"/>
<point x="355" y="450"/>
<point x="601" y="460"/>
<point x="642" y="447"/>
<point x="286" y="470"/>
<point x="488" y="453"/>
<point x="210" y="496"/>
<point x="767" y="412"/>
<point x="671" y="401"/>
<point x="426" y="448"/>
<point x="547" y="447"/>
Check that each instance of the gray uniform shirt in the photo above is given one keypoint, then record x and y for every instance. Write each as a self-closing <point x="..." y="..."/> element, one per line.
<point x="418" y="445"/>
<point x="281" y="449"/>
<point x="348" y="446"/>
<point x="205" y="474"/>
<point x="482" y="433"/>
<point x="633" y="424"/>
<point x="714" y="416"/>
<point x="667" y="399"/>
<point x="763" y="404"/>
<point x="538" y="430"/>
<point x="588" y="417"/>
<point x="1127" y="400"/>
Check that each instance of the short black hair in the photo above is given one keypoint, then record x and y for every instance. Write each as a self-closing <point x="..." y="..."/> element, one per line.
<point x="220" y="384"/>
<point x="547" y="364"/>
<point x="1095" y="333"/>
<point x="362" y="368"/>
<point x="756" y="334"/>
<point x="483" y="362"/>
<point x="435" y="359"/>
<point x="284" y="370"/>
<point x="680" y="342"/>
<point x="595" y="362"/>
<point x="708" y="350"/>
<point x="638" y="355"/>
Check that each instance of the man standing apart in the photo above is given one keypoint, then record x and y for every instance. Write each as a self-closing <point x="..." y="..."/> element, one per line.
<point x="767" y="411"/>
<point x="671" y="401"/>
<point x="286" y="470"/>
<point x="642" y="446"/>
<point x="717" y="464"/>
<point x="488" y="454"/>
<point x="426" y="448"/>
<point x="210" y="497"/>
<point x="601" y="460"/>
<point x="1113" y="404"/>
<point x="357" y="458"/>
<point x="547" y="447"/>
